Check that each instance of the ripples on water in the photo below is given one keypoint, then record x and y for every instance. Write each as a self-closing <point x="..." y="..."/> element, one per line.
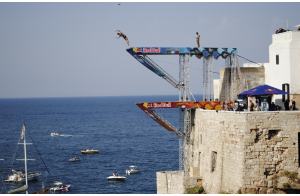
<point x="114" y="125"/>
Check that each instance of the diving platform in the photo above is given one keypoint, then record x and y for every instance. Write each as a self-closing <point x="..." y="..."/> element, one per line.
<point x="199" y="52"/>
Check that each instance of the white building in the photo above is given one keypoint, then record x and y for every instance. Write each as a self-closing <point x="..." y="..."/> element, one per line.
<point x="283" y="66"/>
<point x="284" y="62"/>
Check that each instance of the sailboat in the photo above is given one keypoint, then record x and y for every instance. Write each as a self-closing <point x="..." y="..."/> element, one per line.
<point x="19" y="176"/>
<point x="22" y="175"/>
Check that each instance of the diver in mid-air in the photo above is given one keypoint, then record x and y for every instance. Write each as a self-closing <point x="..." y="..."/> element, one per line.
<point x="121" y="34"/>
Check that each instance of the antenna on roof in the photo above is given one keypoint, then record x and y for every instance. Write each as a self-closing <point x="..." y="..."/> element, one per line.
<point x="287" y="24"/>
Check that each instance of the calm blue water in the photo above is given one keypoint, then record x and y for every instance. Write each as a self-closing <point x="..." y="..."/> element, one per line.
<point x="114" y="125"/>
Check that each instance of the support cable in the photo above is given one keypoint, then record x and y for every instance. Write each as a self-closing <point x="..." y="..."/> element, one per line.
<point x="38" y="152"/>
<point x="248" y="60"/>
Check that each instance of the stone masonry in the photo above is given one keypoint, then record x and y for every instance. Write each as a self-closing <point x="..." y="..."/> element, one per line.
<point x="239" y="152"/>
<point x="244" y="152"/>
<point x="253" y="76"/>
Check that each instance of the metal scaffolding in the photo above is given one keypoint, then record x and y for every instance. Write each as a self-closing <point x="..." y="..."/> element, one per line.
<point x="183" y="85"/>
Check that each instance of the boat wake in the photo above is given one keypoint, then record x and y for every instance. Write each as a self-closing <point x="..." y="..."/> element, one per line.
<point x="66" y="135"/>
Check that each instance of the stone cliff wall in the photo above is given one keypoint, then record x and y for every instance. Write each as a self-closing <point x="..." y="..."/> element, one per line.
<point x="271" y="151"/>
<point x="248" y="152"/>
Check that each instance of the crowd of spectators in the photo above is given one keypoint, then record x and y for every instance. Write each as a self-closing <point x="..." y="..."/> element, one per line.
<point x="264" y="105"/>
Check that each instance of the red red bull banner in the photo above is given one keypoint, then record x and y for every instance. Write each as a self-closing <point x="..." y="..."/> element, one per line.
<point x="151" y="50"/>
<point x="208" y="105"/>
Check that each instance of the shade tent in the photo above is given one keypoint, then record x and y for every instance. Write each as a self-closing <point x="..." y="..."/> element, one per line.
<point x="263" y="90"/>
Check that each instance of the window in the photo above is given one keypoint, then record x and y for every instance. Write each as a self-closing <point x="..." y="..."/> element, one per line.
<point x="272" y="133"/>
<point x="200" y="138"/>
<point x="277" y="59"/>
<point x="213" y="161"/>
<point x="199" y="160"/>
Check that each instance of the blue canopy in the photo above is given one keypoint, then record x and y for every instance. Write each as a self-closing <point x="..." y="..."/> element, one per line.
<point x="263" y="90"/>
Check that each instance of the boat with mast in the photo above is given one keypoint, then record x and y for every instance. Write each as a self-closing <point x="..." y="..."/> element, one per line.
<point x="19" y="176"/>
<point x="25" y="176"/>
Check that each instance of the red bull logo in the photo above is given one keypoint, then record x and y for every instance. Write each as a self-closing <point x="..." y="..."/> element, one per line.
<point x="137" y="50"/>
<point x="160" y="105"/>
<point x="151" y="50"/>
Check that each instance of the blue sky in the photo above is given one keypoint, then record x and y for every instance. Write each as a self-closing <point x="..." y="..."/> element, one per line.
<point x="70" y="49"/>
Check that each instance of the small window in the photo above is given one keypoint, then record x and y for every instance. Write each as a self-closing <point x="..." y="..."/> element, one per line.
<point x="200" y="138"/>
<point x="213" y="161"/>
<point x="199" y="182"/>
<point x="199" y="159"/>
<point x="272" y="133"/>
<point x="277" y="59"/>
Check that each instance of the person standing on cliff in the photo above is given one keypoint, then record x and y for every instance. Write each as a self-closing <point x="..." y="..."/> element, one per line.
<point x="286" y="104"/>
<point x="251" y="106"/>
<point x="198" y="39"/>
<point x="264" y="105"/>
<point x="293" y="105"/>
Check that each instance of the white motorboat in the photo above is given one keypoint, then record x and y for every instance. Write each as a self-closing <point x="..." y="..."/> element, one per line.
<point x="60" y="187"/>
<point x="132" y="169"/>
<point x="53" y="134"/>
<point x="116" y="177"/>
<point x="89" y="151"/>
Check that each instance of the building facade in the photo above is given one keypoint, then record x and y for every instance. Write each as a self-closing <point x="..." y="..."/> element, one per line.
<point x="284" y="63"/>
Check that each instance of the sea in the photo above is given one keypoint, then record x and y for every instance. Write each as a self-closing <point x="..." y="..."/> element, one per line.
<point x="115" y="126"/>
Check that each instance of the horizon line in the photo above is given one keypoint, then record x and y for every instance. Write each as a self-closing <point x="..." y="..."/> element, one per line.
<point x="97" y="96"/>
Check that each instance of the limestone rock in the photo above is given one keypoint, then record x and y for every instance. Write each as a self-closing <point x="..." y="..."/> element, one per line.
<point x="283" y="182"/>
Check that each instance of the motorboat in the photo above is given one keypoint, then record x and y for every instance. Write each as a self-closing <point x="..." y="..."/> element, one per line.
<point x="53" y="134"/>
<point x="74" y="159"/>
<point x="116" y="177"/>
<point x="19" y="176"/>
<point x="132" y="169"/>
<point x="60" y="187"/>
<point x="57" y="134"/>
<point x="89" y="151"/>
